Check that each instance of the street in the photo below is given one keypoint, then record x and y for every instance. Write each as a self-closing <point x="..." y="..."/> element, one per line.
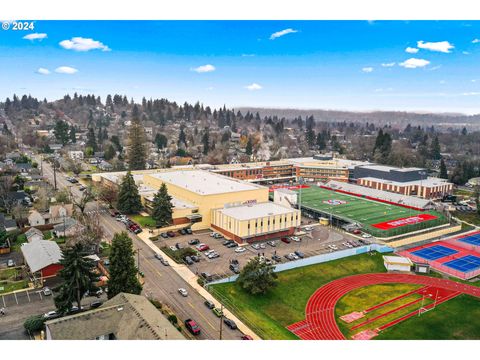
<point x="161" y="282"/>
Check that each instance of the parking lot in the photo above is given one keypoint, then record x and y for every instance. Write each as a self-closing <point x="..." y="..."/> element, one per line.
<point x="314" y="242"/>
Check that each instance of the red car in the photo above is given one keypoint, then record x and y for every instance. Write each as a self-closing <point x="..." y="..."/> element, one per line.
<point x="192" y="326"/>
<point x="286" y="240"/>
<point x="247" y="337"/>
<point x="202" y="247"/>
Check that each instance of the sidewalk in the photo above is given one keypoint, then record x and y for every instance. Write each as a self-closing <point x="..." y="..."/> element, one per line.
<point x="186" y="274"/>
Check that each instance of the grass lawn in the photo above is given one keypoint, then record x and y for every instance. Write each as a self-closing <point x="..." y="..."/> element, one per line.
<point x="8" y="274"/>
<point x="456" y="319"/>
<point x="284" y="305"/>
<point x="470" y="217"/>
<point x="12" y="286"/>
<point x="47" y="234"/>
<point x="144" y="221"/>
<point x="366" y="297"/>
<point x="365" y="212"/>
<point x="18" y="242"/>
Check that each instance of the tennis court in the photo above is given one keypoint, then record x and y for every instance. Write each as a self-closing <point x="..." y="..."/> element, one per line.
<point x="434" y="252"/>
<point x="472" y="239"/>
<point x="377" y="218"/>
<point x="465" y="264"/>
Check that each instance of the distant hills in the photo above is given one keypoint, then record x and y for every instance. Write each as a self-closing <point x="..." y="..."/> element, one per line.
<point x="394" y="118"/>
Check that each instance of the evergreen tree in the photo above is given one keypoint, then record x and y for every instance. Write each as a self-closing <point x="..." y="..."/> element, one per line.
<point x="129" y="201"/>
<point x="123" y="272"/>
<point x="162" y="207"/>
<point x="206" y="142"/>
<point x="161" y="141"/>
<point x="182" y="138"/>
<point x="137" y="153"/>
<point x="435" y="149"/>
<point x="109" y="152"/>
<point x="321" y="143"/>
<point x="78" y="275"/>
<point x="61" y="132"/>
<point x="249" y="147"/>
<point x="443" y="170"/>
<point x="91" y="140"/>
<point x="73" y="134"/>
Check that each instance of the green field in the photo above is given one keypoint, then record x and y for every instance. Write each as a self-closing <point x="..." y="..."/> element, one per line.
<point x="365" y="212"/>
<point x="284" y="305"/>
<point x="144" y="221"/>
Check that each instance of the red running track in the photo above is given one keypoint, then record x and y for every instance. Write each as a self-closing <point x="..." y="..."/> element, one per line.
<point x="320" y="323"/>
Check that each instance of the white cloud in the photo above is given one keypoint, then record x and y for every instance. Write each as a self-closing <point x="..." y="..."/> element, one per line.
<point x="253" y="86"/>
<point x="411" y="50"/>
<point x="367" y="69"/>
<point x="83" y="44"/>
<point x="472" y="93"/>
<point x="43" y="71"/>
<point x="388" y="64"/>
<point x="281" y="33"/>
<point x="413" y="63"/>
<point x="204" y="68"/>
<point x="66" y="70"/>
<point x="35" y="36"/>
<point x="380" y="90"/>
<point x="248" y="55"/>
<point x="440" y="46"/>
<point x="465" y="53"/>
<point x="475" y="41"/>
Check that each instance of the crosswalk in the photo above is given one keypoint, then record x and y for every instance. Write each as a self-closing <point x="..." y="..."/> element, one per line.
<point x="96" y="212"/>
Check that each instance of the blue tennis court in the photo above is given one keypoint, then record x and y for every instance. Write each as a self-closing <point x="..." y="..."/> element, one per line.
<point x="464" y="264"/>
<point x="472" y="239"/>
<point x="434" y="252"/>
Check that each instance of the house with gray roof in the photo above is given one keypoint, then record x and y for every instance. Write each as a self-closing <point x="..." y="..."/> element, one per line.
<point x="42" y="257"/>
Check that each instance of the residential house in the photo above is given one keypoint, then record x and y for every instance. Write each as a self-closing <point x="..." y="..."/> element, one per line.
<point x="33" y="234"/>
<point x="75" y="155"/>
<point x="123" y="317"/>
<point x="42" y="257"/>
<point x="67" y="227"/>
<point x="105" y="166"/>
<point x="35" y="218"/>
<point x="7" y="224"/>
<point x="24" y="168"/>
<point x="59" y="212"/>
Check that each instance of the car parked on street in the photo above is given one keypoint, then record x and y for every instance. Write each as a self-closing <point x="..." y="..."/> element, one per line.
<point x="192" y="326"/>
<point x="95" y="304"/>
<point x="183" y="292"/>
<point x="51" y="315"/>
<point x="164" y="262"/>
<point x="209" y="304"/>
<point x="217" y="311"/>
<point x="230" y="323"/>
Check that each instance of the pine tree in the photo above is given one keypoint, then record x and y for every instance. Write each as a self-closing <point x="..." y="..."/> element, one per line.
<point x="91" y="140"/>
<point x="61" y="132"/>
<point x="249" y="147"/>
<point x="443" y="170"/>
<point x="435" y="149"/>
<point x="78" y="275"/>
<point x="129" y="201"/>
<point x="161" y="141"/>
<point x="206" y="142"/>
<point x="162" y="207"/>
<point x="137" y="153"/>
<point x="73" y="134"/>
<point x="182" y="138"/>
<point x="123" y="272"/>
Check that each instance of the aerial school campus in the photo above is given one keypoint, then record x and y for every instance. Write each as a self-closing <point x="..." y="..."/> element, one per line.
<point x="413" y="274"/>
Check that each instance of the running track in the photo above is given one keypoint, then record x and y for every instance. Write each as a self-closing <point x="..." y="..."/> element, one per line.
<point x="320" y="323"/>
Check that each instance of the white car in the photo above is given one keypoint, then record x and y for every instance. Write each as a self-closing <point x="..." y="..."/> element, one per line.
<point x="295" y="238"/>
<point x="183" y="292"/>
<point x="294" y="256"/>
<point x="173" y="248"/>
<point x="240" y="249"/>
<point x="47" y="291"/>
<point x="263" y="246"/>
<point x="208" y="252"/>
<point x="308" y="228"/>
<point x="256" y="246"/>
<point x="50" y="314"/>
<point x="366" y="236"/>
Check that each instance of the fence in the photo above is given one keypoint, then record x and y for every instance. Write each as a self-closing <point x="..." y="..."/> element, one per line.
<point x="318" y="259"/>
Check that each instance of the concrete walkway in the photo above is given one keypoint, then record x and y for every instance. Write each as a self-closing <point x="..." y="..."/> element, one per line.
<point x="186" y="274"/>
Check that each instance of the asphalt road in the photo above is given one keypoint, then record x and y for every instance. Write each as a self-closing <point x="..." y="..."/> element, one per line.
<point x="161" y="282"/>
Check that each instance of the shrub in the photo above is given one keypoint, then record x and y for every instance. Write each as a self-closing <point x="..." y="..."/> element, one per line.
<point x="34" y="323"/>
<point x="173" y="319"/>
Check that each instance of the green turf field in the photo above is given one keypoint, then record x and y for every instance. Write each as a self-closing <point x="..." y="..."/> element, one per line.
<point x="365" y="212"/>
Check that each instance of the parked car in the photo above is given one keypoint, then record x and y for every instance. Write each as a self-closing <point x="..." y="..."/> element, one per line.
<point x="164" y="235"/>
<point x="294" y="256"/>
<point x="308" y="228"/>
<point x="51" y="315"/>
<point x="192" y="326"/>
<point x="178" y="246"/>
<point x="173" y="248"/>
<point x="366" y="236"/>
<point x="357" y="232"/>
<point x="300" y="254"/>
<point x="188" y="231"/>
<point x="202" y="247"/>
<point x="295" y="238"/>
<point x="217" y="311"/>
<point x="95" y="304"/>
<point x="286" y="240"/>
<point x="170" y="233"/>
<point x="240" y="250"/>
<point x="164" y="262"/>
<point x="276" y="258"/>
<point x="246" y="337"/>
<point x="193" y="242"/>
<point x="234" y="261"/>
<point x="218" y="236"/>
<point x="182" y="232"/>
<point x="183" y="292"/>
<point x="46" y="291"/>
<point x="188" y="260"/>
<point x="206" y="276"/>
<point x="10" y="263"/>
<point x="227" y="242"/>
<point x="256" y="246"/>
<point x="230" y="323"/>
<point x="262" y="246"/>
<point x="74" y="309"/>
<point x="232" y="245"/>
<point x="114" y="213"/>
<point x="195" y="258"/>
<point x="272" y="243"/>
<point x="209" y="304"/>
<point x="234" y="268"/>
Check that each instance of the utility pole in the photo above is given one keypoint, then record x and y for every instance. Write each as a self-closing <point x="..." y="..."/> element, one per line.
<point x="221" y="321"/>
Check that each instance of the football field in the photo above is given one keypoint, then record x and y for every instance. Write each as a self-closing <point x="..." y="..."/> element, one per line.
<point x="377" y="218"/>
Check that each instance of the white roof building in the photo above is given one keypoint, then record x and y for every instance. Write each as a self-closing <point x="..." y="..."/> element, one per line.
<point x="254" y="211"/>
<point x="40" y="254"/>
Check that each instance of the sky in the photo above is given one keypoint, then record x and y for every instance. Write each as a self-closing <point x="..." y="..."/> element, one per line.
<point x="341" y="65"/>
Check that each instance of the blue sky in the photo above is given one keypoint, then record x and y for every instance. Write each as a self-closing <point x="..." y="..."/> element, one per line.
<point x="349" y="65"/>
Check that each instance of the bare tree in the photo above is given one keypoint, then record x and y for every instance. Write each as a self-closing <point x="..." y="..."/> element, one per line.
<point x="6" y="184"/>
<point x="81" y="203"/>
<point x="20" y="213"/>
<point x="90" y="234"/>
